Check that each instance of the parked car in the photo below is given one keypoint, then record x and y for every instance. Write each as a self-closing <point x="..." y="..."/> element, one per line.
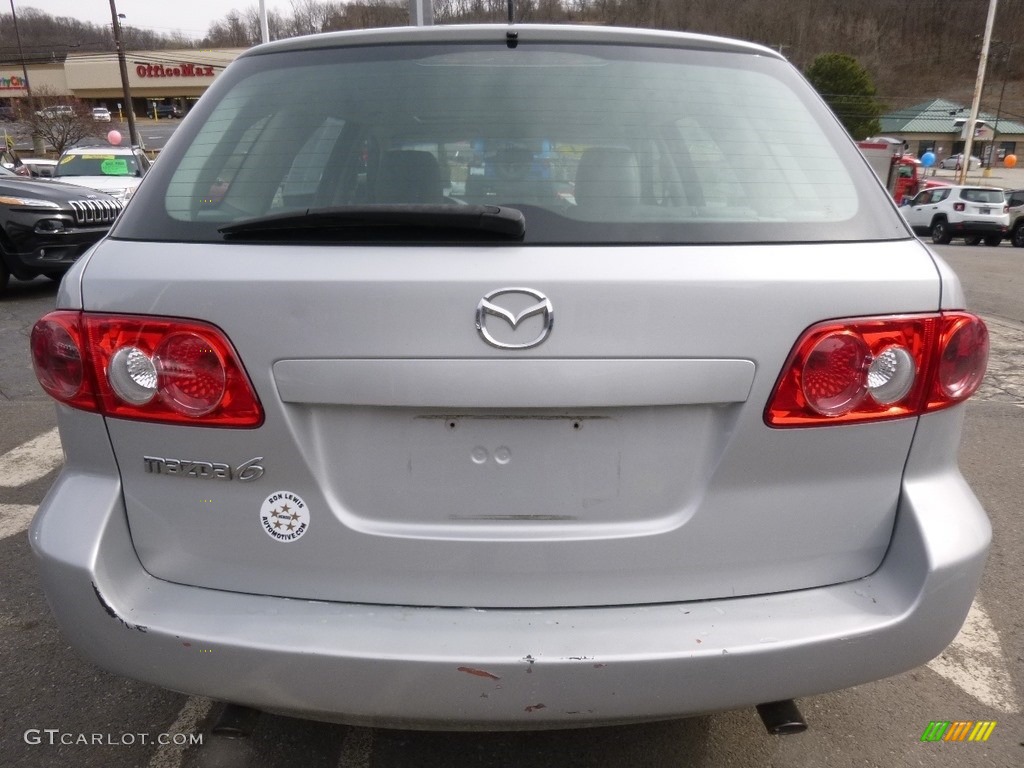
<point x="973" y="213"/>
<point x="101" y="114"/>
<point x="118" y="171"/>
<point x="1015" y="208"/>
<point x="26" y="166"/>
<point x="318" y="417"/>
<point x="10" y="160"/>
<point x="45" y="227"/>
<point x="40" y="166"/>
<point x="59" y="110"/>
<point x="956" y="162"/>
<point x="163" y="111"/>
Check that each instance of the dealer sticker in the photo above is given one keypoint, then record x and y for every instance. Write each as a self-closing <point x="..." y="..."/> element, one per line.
<point x="284" y="516"/>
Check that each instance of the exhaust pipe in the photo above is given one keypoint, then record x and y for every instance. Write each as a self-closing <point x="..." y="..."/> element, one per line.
<point x="236" y="722"/>
<point x="782" y="718"/>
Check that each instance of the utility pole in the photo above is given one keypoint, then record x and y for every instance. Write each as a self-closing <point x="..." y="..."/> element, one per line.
<point x="978" y="86"/>
<point x="999" y="110"/>
<point x="421" y="13"/>
<point x="264" y="26"/>
<point x="133" y="133"/>
<point x="37" y="140"/>
<point x="21" y="55"/>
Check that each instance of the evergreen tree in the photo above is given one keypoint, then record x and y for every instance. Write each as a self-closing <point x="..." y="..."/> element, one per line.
<point x="847" y="87"/>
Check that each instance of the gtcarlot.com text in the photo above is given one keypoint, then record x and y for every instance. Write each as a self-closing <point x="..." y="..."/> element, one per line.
<point x="55" y="737"/>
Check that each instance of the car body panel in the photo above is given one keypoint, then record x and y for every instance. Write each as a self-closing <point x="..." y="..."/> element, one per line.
<point x="538" y="477"/>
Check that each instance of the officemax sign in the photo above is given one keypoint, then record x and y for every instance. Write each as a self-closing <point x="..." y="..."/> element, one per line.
<point x="182" y="70"/>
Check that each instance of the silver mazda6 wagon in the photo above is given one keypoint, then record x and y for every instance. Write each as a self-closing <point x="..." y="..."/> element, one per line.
<point x="510" y="377"/>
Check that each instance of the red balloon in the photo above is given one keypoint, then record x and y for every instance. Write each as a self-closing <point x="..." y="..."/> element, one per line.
<point x="1010" y="161"/>
<point x="114" y="137"/>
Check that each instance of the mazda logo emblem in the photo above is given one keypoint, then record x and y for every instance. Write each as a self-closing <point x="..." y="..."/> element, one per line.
<point x="524" y="303"/>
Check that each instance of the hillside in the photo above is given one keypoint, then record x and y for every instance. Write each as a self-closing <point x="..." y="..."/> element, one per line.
<point x="916" y="50"/>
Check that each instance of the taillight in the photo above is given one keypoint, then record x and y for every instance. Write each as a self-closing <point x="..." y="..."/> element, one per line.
<point x="866" y="369"/>
<point x="149" y="368"/>
<point x="960" y="207"/>
<point x="56" y="346"/>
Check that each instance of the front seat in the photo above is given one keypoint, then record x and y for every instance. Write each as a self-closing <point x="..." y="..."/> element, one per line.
<point x="409" y="176"/>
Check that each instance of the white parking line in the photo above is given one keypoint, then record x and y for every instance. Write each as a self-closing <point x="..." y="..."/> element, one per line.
<point x="974" y="661"/>
<point x="31" y="461"/>
<point x="14" y="518"/>
<point x="189" y="719"/>
<point x="356" y="749"/>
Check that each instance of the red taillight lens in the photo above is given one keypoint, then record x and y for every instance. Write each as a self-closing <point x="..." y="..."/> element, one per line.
<point x="833" y="380"/>
<point x="960" y="207"/>
<point x="963" y="357"/>
<point x="192" y="372"/>
<point x="865" y="369"/>
<point x="148" y="368"/>
<point x="57" y="357"/>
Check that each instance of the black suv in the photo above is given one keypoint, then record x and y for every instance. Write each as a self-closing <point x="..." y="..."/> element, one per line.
<point x="164" y="111"/>
<point x="46" y="226"/>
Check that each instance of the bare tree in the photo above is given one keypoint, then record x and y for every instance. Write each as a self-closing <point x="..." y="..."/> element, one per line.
<point x="311" y="16"/>
<point x="59" y="121"/>
<point x="900" y="42"/>
<point x="231" y="32"/>
<point x="364" y="14"/>
<point x="278" y="26"/>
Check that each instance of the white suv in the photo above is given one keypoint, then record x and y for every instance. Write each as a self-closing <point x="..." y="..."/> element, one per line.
<point x="973" y="213"/>
<point x="114" y="170"/>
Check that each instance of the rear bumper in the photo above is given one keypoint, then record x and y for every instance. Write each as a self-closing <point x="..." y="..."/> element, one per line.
<point x="978" y="228"/>
<point x="468" y="668"/>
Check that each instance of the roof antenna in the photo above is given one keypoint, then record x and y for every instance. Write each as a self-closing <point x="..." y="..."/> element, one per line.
<point x="511" y="37"/>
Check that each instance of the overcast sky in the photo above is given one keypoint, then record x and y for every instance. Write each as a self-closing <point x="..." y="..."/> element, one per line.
<point x="192" y="17"/>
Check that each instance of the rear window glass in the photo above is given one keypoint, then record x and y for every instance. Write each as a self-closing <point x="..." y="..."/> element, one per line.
<point x="982" y="195"/>
<point x="592" y="143"/>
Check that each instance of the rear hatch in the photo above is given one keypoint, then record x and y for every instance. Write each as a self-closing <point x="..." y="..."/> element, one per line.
<point x="984" y="205"/>
<point x="463" y="414"/>
<point x="624" y="460"/>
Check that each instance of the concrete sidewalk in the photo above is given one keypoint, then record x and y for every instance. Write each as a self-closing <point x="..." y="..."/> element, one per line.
<point x="1006" y="178"/>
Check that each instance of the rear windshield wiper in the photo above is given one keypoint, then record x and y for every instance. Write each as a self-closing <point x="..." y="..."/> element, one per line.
<point x="381" y="223"/>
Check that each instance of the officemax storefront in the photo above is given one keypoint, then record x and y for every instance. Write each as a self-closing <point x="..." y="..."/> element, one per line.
<point x="167" y="77"/>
